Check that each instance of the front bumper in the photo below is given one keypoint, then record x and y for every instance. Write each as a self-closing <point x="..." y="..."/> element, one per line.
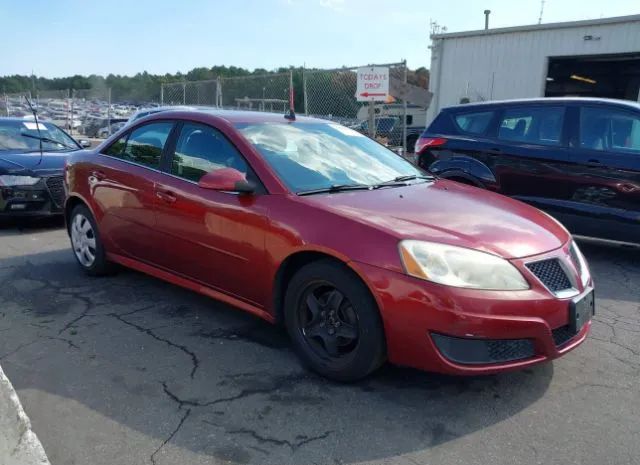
<point x="416" y="313"/>
<point x="45" y="198"/>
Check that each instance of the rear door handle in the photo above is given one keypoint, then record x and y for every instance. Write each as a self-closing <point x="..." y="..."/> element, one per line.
<point x="99" y="175"/>
<point x="166" y="196"/>
<point x="594" y="163"/>
<point x="494" y="151"/>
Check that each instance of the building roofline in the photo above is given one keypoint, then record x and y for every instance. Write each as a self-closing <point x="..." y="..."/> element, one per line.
<point x="538" y="27"/>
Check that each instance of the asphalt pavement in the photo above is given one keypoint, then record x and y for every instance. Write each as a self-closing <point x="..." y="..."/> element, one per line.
<point x="131" y="370"/>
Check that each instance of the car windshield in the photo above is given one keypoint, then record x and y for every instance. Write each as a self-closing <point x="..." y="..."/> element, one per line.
<point x="23" y="136"/>
<point x="308" y="156"/>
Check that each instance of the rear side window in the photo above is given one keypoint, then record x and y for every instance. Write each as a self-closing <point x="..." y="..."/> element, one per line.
<point x="143" y="145"/>
<point x="609" y="129"/>
<point x="473" y="123"/>
<point x="534" y="125"/>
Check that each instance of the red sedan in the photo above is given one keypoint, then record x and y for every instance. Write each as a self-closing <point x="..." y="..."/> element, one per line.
<point x="361" y="255"/>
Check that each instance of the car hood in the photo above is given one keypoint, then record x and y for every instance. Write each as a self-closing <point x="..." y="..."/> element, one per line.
<point x="452" y="213"/>
<point x="18" y="163"/>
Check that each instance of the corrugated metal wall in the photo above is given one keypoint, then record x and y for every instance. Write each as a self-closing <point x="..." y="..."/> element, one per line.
<point x="503" y="65"/>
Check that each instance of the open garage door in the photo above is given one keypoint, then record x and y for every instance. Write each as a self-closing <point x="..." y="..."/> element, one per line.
<point x="611" y="76"/>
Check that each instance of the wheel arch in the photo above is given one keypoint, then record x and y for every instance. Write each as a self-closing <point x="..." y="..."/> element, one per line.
<point x="463" y="177"/>
<point x="300" y="258"/>
<point x="71" y="203"/>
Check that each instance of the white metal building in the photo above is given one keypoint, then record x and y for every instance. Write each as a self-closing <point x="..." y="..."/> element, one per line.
<point x="588" y="58"/>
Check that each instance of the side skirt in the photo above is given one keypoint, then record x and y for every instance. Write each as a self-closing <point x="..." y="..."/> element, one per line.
<point x="191" y="285"/>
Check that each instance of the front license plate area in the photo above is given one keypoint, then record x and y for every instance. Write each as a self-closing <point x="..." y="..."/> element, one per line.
<point x="581" y="310"/>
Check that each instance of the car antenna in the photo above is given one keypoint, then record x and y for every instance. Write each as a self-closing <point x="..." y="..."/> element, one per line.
<point x="35" y="117"/>
<point x="291" y="116"/>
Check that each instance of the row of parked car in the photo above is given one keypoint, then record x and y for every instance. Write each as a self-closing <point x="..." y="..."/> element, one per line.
<point x="363" y="256"/>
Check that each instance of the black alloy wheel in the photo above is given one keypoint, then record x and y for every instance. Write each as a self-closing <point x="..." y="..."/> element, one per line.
<point x="334" y="321"/>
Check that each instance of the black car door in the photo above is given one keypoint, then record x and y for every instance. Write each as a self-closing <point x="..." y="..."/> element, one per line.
<point x="530" y="158"/>
<point x="605" y="183"/>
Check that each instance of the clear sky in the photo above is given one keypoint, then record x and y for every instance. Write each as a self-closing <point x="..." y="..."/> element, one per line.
<point x="64" y="37"/>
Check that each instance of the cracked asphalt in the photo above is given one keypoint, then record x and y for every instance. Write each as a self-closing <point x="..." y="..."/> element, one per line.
<point x="131" y="370"/>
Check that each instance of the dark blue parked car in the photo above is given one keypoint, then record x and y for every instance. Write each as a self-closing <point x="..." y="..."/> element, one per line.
<point x="31" y="167"/>
<point x="576" y="158"/>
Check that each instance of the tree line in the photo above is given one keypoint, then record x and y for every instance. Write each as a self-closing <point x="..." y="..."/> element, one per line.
<point x="145" y="87"/>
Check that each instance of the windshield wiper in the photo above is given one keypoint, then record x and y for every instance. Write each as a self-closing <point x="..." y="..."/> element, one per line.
<point x="336" y="188"/>
<point x="52" y="141"/>
<point x="402" y="180"/>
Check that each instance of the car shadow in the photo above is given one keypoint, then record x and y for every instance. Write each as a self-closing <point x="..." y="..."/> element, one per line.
<point x="16" y="226"/>
<point x="196" y="378"/>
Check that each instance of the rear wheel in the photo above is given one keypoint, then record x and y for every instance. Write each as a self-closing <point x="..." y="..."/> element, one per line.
<point x="86" y="243"/>
<point x="334" y="322"/>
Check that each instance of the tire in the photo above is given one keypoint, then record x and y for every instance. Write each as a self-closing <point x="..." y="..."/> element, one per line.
<point x="86" y="244"/>
<point x="338" y="335"/>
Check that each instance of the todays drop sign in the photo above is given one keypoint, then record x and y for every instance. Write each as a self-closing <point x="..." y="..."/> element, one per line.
<point x="373" y="84"/>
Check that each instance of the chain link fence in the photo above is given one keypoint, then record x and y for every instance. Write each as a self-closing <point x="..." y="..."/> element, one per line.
<point x="267" y="92"/>
<point x="324" y="93"/>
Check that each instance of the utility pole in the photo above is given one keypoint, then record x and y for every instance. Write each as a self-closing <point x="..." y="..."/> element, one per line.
<point x="541" y="11"/>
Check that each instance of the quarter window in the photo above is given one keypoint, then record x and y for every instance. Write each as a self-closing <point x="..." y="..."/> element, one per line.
<point x="201" y="149"/>
<point x="535" y="125"/>
<point x="143" y="145"/>
<point x="609" y="129"/>
<point x="474" y="123"/>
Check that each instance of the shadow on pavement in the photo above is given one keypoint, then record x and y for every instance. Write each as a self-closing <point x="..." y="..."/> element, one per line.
<point x="191" y="377"/>
<point x="16" y="226"/>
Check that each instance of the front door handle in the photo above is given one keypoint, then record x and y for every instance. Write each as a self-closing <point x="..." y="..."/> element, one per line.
<point x="166" y="196"/>
<point x="594" y="163"/>
<point x="494" y="151"/>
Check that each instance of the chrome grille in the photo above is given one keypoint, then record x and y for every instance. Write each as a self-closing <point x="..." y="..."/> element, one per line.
<point x="551" y="274"/>
<point x="55" y="186"/>
<point x="574" y="257"/>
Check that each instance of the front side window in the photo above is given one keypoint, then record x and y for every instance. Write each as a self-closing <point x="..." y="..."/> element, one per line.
<point x="609" y="129"/>
<point x="201" y="149"/>
<point x="533" y="125"/>
<point x="143" y="145"/>
<point x="308" y="156"/>
<point x="474" y="123"/>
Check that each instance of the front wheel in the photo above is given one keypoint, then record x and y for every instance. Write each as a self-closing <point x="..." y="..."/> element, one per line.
<point x="334" y="322"/>
<point x="86" y="243"/>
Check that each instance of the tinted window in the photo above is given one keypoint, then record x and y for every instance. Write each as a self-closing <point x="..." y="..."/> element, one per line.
<point x="609" y="129"/>
<point x="201" y="149"/>
<point x="474" y="123"/>
<point x="117" y="148"/>
<point x="144" y="145"/>
<point x="535" y="125"/>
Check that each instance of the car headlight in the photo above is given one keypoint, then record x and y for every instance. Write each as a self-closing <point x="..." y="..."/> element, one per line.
<point x="459" y="267"/>
<point x="11" y="180"/>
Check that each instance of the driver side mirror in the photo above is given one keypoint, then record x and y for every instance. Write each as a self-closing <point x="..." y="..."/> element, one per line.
<point x="84" y="143"/>
<point x="227" y="179"/>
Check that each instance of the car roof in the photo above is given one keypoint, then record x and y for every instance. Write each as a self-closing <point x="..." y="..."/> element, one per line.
<point x="549" y="100"/>
<point x="240" y="116"/>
